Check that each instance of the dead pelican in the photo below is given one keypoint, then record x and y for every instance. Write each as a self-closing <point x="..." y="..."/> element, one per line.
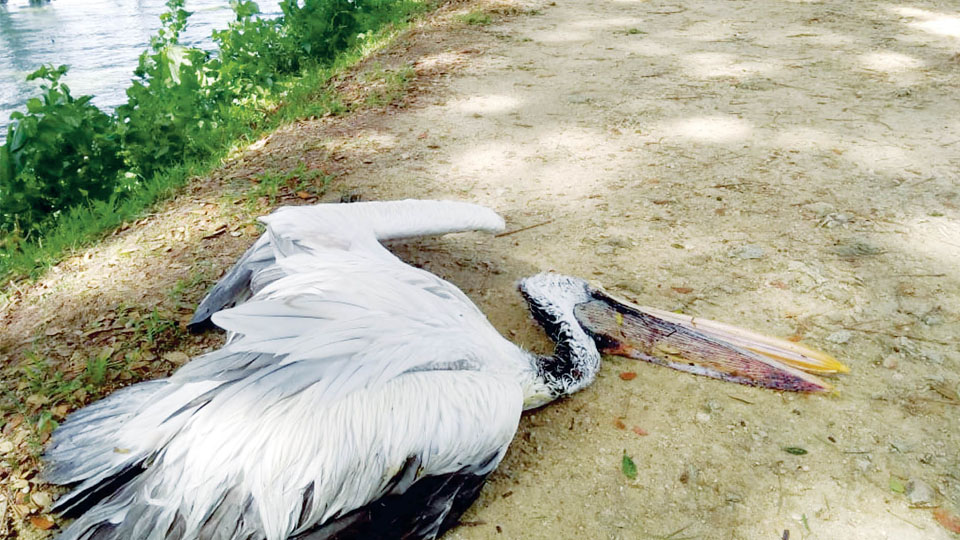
<point x="356" y="396"/>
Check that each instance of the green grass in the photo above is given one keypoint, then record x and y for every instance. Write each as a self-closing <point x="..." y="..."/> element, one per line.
<point x="306" y="95"/>
<point x="44" y="390"/>
<point x="476" y="17"/>
<point x="300" y="180"/>
<point x="389" y="85"/>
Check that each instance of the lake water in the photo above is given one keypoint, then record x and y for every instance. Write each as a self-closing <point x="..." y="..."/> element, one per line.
<point x="100" y="40"/>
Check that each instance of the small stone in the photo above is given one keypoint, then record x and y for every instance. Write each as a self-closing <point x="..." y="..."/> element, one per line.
<point x="838" y="219"/>
<point x="605" y="249"/>
<point x="820" y="209"/>
<point x="6" y="446"/>
<point x="891" y="362"/>
<point x="703" y="417"/>
<point x="919" y="492"/>
<point x="840" y="337"/>
<point x="853" y="249"/>
<point x="749" y="251"/>
<point x="901" y="446"/>
<point x="863" y="464"/>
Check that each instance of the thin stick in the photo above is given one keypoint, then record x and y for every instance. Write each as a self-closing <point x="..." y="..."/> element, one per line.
<point x="905" y="520"/>
<point x="508" y="233"/>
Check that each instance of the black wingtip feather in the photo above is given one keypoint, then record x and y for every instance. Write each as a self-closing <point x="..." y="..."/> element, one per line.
<point x="75" y="504"/>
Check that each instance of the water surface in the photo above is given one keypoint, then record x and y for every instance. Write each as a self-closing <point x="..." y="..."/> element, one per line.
<point x="100" y="40"/>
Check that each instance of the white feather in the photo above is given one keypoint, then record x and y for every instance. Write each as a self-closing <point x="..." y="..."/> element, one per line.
<point x="343" y="365"/>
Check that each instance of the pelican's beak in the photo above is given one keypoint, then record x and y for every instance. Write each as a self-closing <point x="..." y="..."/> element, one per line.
<point x="702" y="346"/>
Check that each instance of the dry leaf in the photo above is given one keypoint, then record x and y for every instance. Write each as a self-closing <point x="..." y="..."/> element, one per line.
<point x="682" y="290"/>
<point x="176" y="357"/>
<point x="13" y="423"/>
<point x="41" y="522"/>
<point x="947" y="519"/>
<point x="220" y="230"/>
<point x="60" y="411"/>
<point x="618" y="423"/>
<point x="38" y="400"/>
<point x="639" y="431"/>
<point x="628" y="375"/>
<point x="304" y="195"/>
<point x="41" y="499"/>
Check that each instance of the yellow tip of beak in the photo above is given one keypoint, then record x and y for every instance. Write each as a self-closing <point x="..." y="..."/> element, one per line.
<point x="781" y="350"/>
<point x="809" y="360"/>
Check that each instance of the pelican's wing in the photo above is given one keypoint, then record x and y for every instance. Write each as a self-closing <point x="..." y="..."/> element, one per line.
<point x="340" y="360"/>
<point x="319" y="230"/>
<point x="404" y="459"/>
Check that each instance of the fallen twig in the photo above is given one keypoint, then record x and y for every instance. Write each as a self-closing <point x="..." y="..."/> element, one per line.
<point x="515" y="231"/>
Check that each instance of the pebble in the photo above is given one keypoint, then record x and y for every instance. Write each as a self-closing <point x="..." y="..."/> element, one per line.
<point x="919" y="492"/>
<point x="840" y="337"/>
<point x="749" y="251"/>
<point x="820" y="209"/>
<point x="838" y="219"/>
<point x="703" y="417"/>
<point x="712" y="405"/>
<point x="891" y="362"/>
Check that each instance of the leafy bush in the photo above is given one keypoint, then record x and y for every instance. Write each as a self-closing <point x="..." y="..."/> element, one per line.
<point x="65" y="157"/>
<point x="254" y="52"/>
<point x="321" y="28"/>
<point x="58" y="154"/>
<point x="172" y="107"/>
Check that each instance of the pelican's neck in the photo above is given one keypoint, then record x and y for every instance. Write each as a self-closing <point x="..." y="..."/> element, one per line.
<point x="575" y="361"/>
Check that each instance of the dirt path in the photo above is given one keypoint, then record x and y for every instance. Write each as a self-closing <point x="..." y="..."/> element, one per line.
<point x="787" y="166"/>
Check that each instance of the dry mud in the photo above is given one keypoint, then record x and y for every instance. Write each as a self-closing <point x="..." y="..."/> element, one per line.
<point x="788" y="166"/>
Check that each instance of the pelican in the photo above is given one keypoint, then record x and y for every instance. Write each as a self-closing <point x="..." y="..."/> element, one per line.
<point x="357" y="396"/>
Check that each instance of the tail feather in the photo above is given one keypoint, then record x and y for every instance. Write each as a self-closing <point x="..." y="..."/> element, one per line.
<point x="78" y="448"/>
<point x="104" y="446"/>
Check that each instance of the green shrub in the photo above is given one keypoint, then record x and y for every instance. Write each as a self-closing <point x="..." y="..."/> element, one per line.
<point x="321" y="28"/>
<point x="172" y="110"/>
<point x="69" y="169"/>
<point x="254" y="52"/>
<point x="60" y="153"/>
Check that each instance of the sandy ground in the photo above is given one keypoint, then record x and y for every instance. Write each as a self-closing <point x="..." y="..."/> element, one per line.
<point x="787" y="166"/>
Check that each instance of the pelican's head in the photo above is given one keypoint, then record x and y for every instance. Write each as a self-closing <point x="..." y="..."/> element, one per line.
<point x="585" y="321"/>
<point x="552" y="299"/>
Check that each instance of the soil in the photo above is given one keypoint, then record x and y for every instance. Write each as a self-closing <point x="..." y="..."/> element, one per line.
<point x="787" y="166"/>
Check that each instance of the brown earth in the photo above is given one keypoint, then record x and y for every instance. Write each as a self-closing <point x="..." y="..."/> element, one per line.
<point x="788" y="166"/>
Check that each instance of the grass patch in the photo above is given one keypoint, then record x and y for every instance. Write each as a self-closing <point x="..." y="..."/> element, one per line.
<point x="386" y="86"/>
<point x="305" y="183"/>
<point x="475" y="17"/>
